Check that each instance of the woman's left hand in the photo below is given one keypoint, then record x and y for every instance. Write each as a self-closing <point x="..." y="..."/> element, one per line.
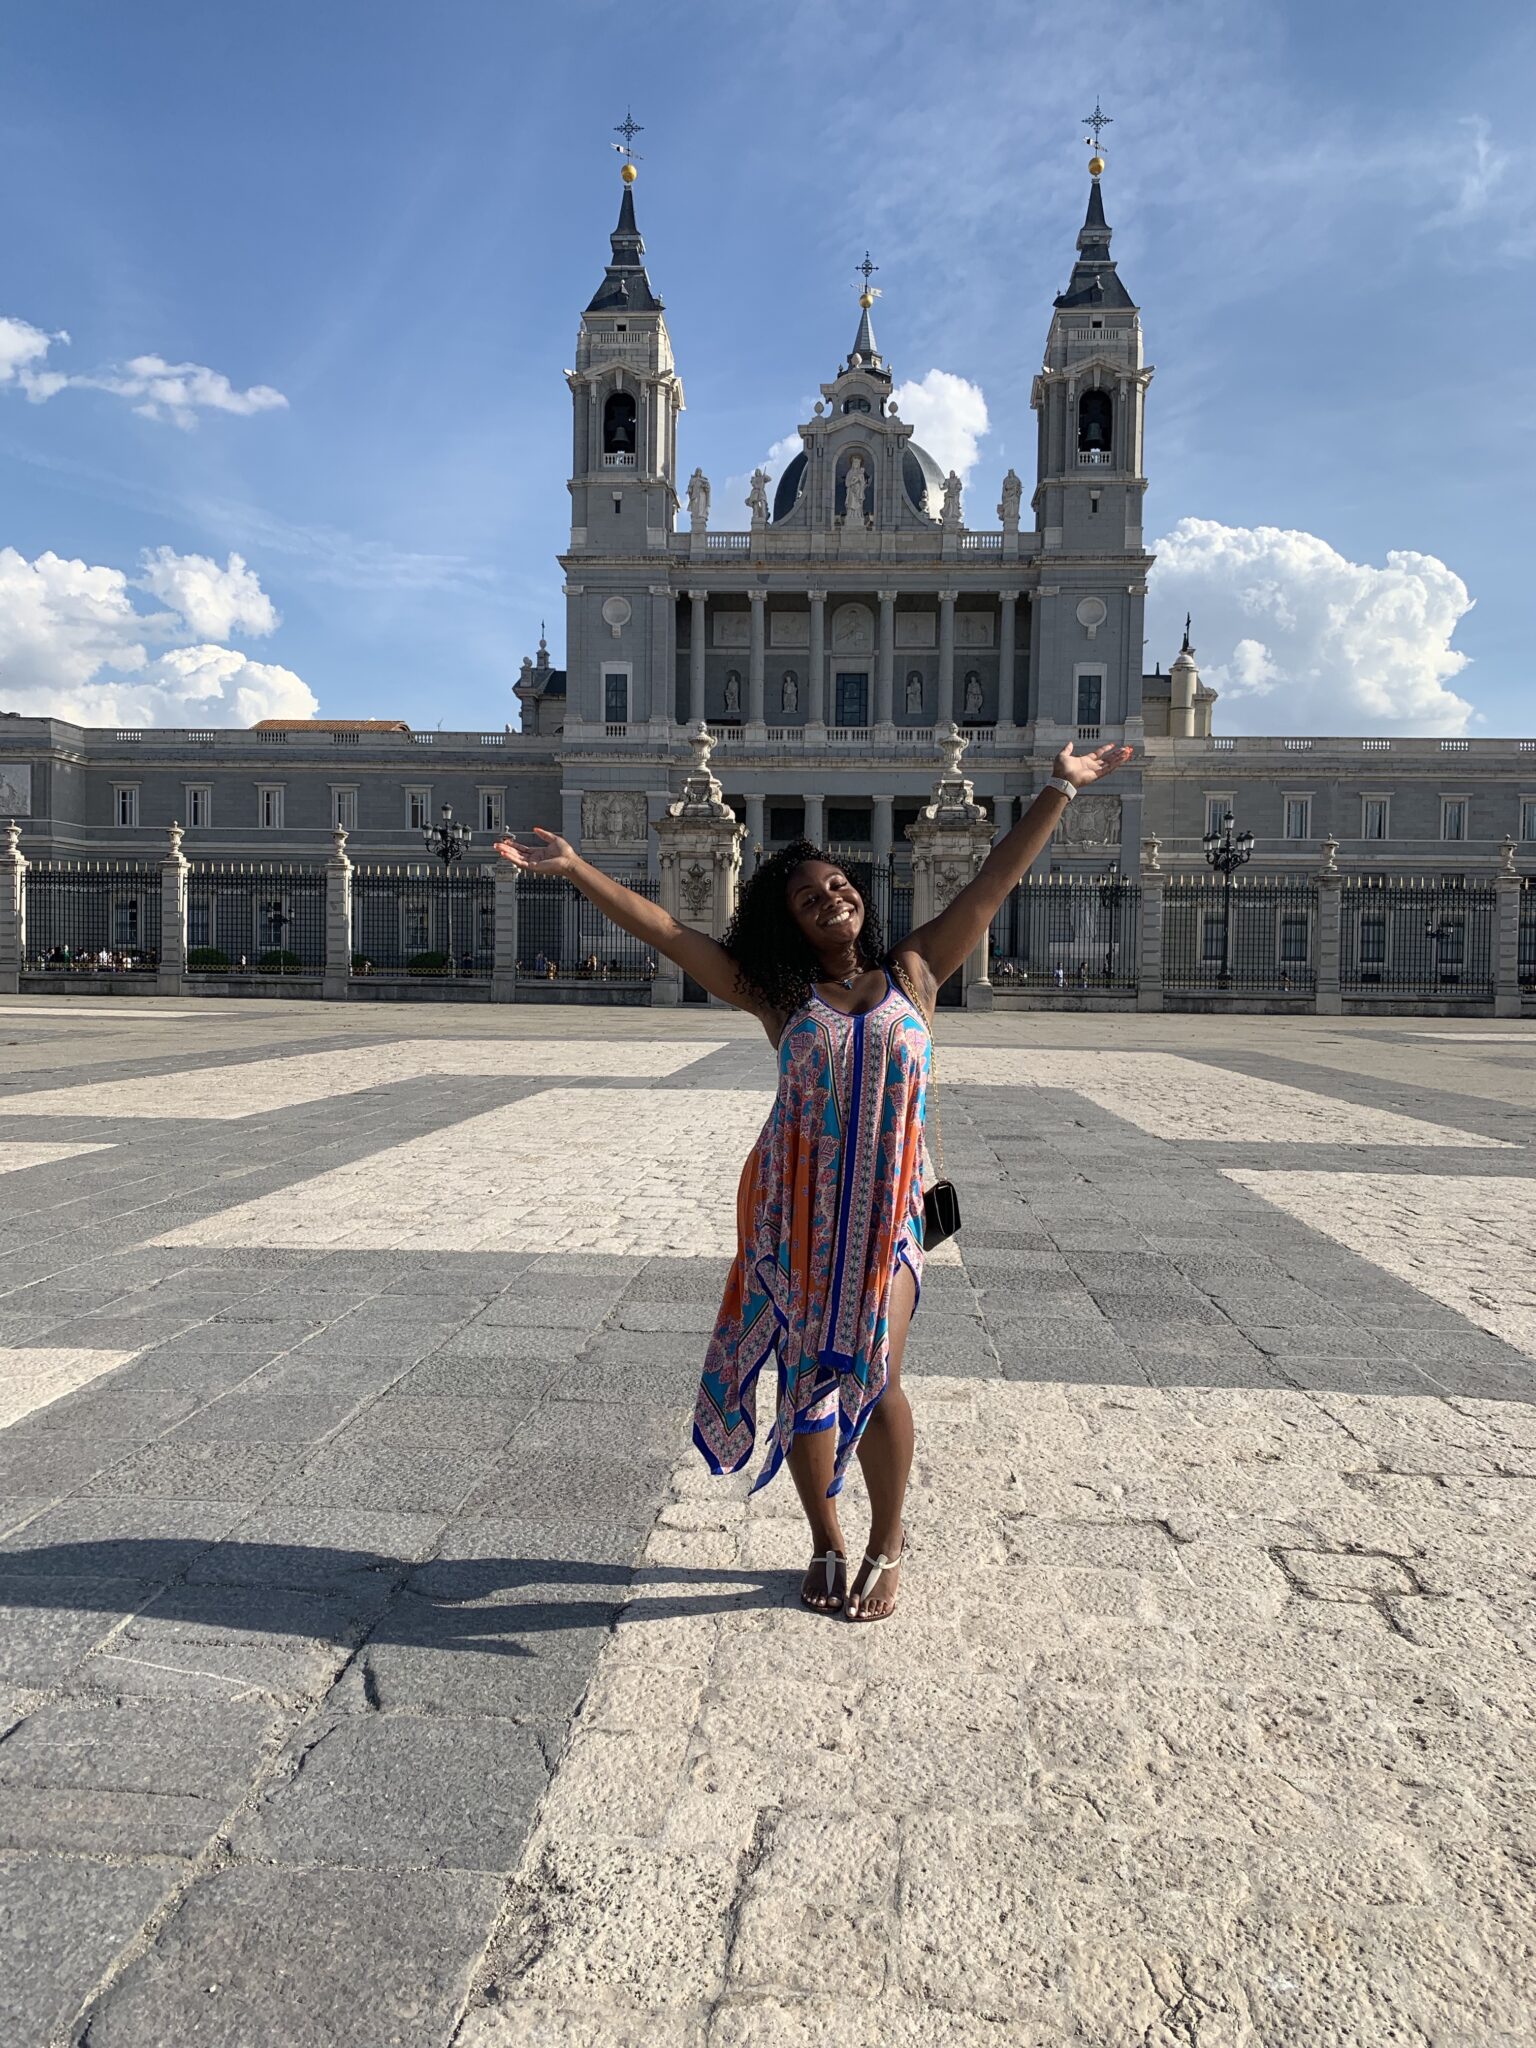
<point x="1081" y="769"/>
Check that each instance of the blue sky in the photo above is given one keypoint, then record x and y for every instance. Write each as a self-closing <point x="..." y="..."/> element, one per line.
<point x="373" y="227"/>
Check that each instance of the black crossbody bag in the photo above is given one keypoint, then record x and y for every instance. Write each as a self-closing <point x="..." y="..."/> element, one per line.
<point x="941" y="1199"/>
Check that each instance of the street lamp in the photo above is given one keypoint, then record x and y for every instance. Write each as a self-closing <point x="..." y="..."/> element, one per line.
<point x="277" y="919"/>
<point x="1109" y="898"/>
<point x="1440" y="935"/>
<point x="447" y="840"/>
<point x="1227" y="851"/>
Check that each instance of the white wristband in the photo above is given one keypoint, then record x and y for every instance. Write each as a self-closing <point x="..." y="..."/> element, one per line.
<point x="1068" y="789"/>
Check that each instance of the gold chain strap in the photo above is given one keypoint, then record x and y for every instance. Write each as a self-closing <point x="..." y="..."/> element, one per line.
<point x="933" y="1060"/>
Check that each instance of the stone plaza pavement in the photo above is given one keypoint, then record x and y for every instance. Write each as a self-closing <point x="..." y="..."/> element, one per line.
<point x="379" y="1665"/>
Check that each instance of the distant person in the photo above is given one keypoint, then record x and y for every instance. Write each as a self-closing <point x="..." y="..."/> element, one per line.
<point x="830" y="1207"/>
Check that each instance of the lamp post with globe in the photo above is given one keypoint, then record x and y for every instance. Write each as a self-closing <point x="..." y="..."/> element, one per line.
<point x="1227" y="851"/>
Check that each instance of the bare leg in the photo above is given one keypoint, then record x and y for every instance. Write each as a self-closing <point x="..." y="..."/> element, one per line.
<point x="810" y="1464"/>
<point x="885" y="1457"/>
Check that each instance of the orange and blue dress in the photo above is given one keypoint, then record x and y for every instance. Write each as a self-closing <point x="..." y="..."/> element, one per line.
<point x="830" y="1205"/>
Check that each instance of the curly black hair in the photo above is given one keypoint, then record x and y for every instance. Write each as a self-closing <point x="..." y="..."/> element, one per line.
<point x="774" y="960"/>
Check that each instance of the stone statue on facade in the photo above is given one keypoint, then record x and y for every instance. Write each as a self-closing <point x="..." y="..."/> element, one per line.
<point x="1012" y="498"/>
<point x="972" y="694"/>
<point x="733" y="690"/>
<point x="789" y="695"/>
<point x="914" y="691"/>
<point x="855" y="484"/>
<point x="951" y="513"/>
<point x="698" y="501"/>
<point x="757" y="497"/>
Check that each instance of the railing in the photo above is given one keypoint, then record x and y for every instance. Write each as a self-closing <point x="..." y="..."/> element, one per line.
<point x="97" y="916"/>
<point x="1525" y="969"/>
<point x="618" y="729"/>
<point x="1455" y="746"/>
<point x="981" y="543"/>
<point x="1087" y="732"/>
<point x="272" y="739"/>
<point x="262" y="919"/>
<point x="619" y="459"/>
<point x="562" y="938"/>
<point x="427" y="919"/>
<point x="1416" y="937"/>
<point x="1062" y="932"/>
<point x="979" y="735"/>
<point x="728" y="543"/>
<point x="1250" y="935"/>
<point x="1297" y="746"/>
<point x="345" y="739"/>
<point x="1094" y="458"/>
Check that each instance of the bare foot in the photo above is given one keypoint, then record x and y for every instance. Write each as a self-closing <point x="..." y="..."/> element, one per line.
<point x="815" y="1590"/>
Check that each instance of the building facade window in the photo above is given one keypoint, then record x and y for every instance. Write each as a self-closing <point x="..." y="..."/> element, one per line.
<point x="199" y="805"/>
<point x="344" y="809"/>
<point x="847" y="825"/>
<point x="1216" y="809"/>
<point x="1374" y="817"/>
<point x="125" y="803"/>
<point x="1295" y="938"/>
<point x="852" y="697"/>
<point x="269" y="806"/>
<point x="1528" y="817"/>
<point x="615" y="697"/>
<point x="1090" y="701"/>
<point x="493" y="810"/>
<point x="418" y="809"/>
<point x="1298" y="817"/>
<point x="1453" y="817"/>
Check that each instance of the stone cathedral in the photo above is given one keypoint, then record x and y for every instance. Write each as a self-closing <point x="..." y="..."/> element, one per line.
<point x="828" y="630"/>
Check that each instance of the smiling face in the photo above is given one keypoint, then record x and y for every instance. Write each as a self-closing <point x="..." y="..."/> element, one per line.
<point x="827" y="908"/>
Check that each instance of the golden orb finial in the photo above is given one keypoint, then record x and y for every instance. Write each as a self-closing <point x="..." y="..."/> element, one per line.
<point x="629" y="174"/>
<point x="1095" y="166"/>
<point x="866" y="299"/>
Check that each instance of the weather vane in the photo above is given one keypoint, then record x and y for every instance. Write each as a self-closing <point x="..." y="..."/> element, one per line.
<point x="629" y="128"/>
<point x="867" y="270"/>
<point x="1098" y="121"/>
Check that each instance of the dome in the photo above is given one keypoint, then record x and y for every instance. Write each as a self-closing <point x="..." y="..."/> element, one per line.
<point x="920" y="475"/>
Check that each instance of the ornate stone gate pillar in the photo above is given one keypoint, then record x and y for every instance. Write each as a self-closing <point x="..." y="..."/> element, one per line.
<point x="1149" y="966"/>
<point x="1507" y="886"/>
<point x="700" y="859"/>
<point x="951" y="837"/>
<point x="172" y="965"/>
<point x="13" y="908"/>
<point x="1327" y="1002"/>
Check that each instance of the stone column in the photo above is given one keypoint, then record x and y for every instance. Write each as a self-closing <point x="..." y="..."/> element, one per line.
<point x="950" y="839"/>
<point x="946" y="659"/>
<point x="663" y="704"/>
<point x="1149" y="976"/>
<point x="696" y="654"/>
<point x="885" y="659"/>
<point x="700" y="860"/>
<point x="880" y="827"/>
<point x="815" y="819"/>
<point x="1007" y="663"/>
<point x="504" y="956"/>
<point x="754" y="826"/>
<point x="13" y="908"/>
<point x="1506" y="934"/>
<point x="173" y="918"/>
<point x="817" y="701"/>
<point x="755" y="660"/>
<point x="1327" y="1001"/>
<point x="338" y="922"/>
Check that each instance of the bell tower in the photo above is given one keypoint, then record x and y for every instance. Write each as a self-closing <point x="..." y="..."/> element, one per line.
<point x="625" y="399"/>
<point x="1089" y="397"/>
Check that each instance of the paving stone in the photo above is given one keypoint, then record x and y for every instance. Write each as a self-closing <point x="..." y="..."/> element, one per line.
<point x="401" y="1791"/>
<point x="177" y="1469"/>
<point x="309" y="1958"/>
<point x="62" y="1923"/>
<point x="130" y="1538"/>
<point x="397" y="1477"/>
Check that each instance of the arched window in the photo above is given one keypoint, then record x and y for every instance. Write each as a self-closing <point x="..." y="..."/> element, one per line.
<point x="619" y="424"/>
<point x="1095" y="425"/>
<point x="856" y="404"/>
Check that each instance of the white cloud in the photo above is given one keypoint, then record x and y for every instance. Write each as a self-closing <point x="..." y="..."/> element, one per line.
<point x="73" y="646"/>
<point x="213" y="601"/>
<point x="733" y="492"/>
<point x="164" y="391"/>
<point x="949" y="418"/>
<point x="1298" y="638"/>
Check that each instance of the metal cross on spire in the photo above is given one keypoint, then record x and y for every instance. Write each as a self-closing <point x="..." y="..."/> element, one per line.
<point x="866" y="269"/>
<point x="629" y="128"/>
<point x="1098" y="121"/>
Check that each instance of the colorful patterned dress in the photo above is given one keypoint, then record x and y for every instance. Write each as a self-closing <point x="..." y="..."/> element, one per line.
<point x="830" y="1204"/>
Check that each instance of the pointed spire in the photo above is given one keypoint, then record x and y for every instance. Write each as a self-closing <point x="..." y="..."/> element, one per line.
<point x="1094" y="281"/>
<point x="864" y="347"/>
<point x="625" y="286"/>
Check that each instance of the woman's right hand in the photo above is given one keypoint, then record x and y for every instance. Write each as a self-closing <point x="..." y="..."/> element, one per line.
<point x="556" y="856"/>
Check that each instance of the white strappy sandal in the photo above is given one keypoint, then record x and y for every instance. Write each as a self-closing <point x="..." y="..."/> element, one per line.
<point x="830" y="1560"/>
<point x="853" y="1606"/>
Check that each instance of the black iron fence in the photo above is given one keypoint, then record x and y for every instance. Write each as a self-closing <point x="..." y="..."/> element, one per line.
<point x="429" y="919"/>
<point x="561" y="937"/>
<point x="1526" y="957"/>
<point x="1406" y="936"/>
<point x="885" y="885"/>
<point x="1067" y="932"/>
<point x="245" y="918"/>
<point x="94" y="916"/>
<point x="1246" y="934"/>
